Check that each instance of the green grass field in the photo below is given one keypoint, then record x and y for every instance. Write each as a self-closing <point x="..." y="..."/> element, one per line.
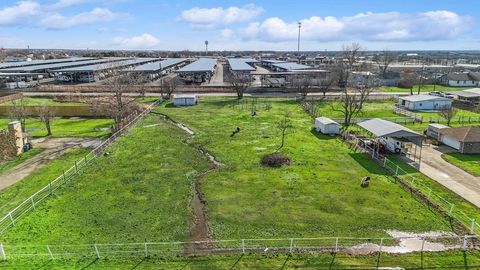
<point x="439" y="261"/>
<point x="424" y="88"/>
<point x="67" y="127"/>
<point x="14" y="195"/>
<point x="4" y="167"/>
<point x="317" y="195"/>
<point x="140" y="191"/>
<point x="469" y="163"/>
<point x="37" y="101"/>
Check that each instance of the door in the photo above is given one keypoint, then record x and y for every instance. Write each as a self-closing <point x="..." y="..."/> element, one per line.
<point x="451" y="142"/>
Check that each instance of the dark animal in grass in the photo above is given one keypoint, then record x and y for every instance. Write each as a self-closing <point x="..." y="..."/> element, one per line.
<point x="235" y="132"/>
<point x="365" y="182"/>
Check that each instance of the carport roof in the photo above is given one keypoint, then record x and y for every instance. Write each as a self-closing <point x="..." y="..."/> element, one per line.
<point x="414" y="98"/>
<point x="383" y="128"/>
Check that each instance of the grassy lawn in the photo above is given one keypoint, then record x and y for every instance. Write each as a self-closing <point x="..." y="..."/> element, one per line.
<point x="4" y="167"/>
<point x="14" y="195"/>
<point x="371" y="109"/>
<point x="424" y="88"/>
<point x="146" y="100"/>
<point x="319" y="194"/>
<point x="445" y="260"/>
<point x="36" y="101"/>
<point x="140" y="191"/>
<point x="469" y="163"/>
<point x="67" y="127"/>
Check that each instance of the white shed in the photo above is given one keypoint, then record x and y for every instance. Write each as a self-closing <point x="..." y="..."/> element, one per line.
<point x="327" y="126"/>
<point x="185" y="100"/>
<point x="425" y="103"/>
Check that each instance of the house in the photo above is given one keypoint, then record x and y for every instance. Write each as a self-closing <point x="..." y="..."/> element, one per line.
<point x="327" y="126"/>
<point x="464" y="139"/>
<point x="185" y="100"/>
<point x="433" y="130"/>
<point x="470" y="95"/>
<point x="425" y="103"/>
<point x="461" y="79"/>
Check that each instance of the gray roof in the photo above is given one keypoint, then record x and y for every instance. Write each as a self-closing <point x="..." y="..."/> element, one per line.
<point x="326" y="121"/>
<point x="38" y="68"/>
<point x="43" y="62"/>
<point x="105" y="66"/>
<point x="459" y="77"/>
<point x="291" y="66"/>
<point x="240" y="64"/>
<point x="415" y="98"/>
<point x="163" y="64"/>
<point x="383" y="128"/>
<point x="472" y="90"/>
<point x="201" y="65"/>
<point x="467" y="94"/>
<point x="273" y="61"/>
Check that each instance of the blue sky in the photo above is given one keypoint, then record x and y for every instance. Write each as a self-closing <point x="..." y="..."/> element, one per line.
<point x="240" y="25"/>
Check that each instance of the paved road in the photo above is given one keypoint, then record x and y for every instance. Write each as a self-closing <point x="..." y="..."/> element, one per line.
<point x="54" y="147"/>
<point x="217" y="79"/>
<point x="450" y="176"/>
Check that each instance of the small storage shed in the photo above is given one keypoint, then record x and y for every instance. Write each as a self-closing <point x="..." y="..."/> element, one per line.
<point x="327" y="126"/>
<point x="464" y="139"/>
<point x="425" y="103"/>
<point x="185" y="100"/>
<point x="433" y="130"/>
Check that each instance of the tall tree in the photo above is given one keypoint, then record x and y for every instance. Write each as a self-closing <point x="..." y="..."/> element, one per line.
<point x="285" y="126"/>
<point x="169" y="86"/>
<point x="46" y="114"/>
<point x="240" y="83"/>
<point x="384" y="60"/>
<point x="448" y="114"/>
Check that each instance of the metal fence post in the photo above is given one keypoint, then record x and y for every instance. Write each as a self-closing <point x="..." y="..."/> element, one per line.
<point x="11" y="218"/>
<point x="451" y="209"/>
<point x="291" y="245"/>
<point x="379" y="252"/>
<point x="76" y="169"/>
<point x="336" y="244"/>
<point x="33" y="202"/>
<point x="2" y="252"/>
<point x="64" y="178"/>
<point x="384" y="162"/>
<point x="396" y="170"/>
<point x="50" y="252"/>
<point x="464" y="246"/>
<point x="96" y="250"/>
<point x="421" y="252"/>
<point x="472" y="228"/>
<point x="243" y="246"/>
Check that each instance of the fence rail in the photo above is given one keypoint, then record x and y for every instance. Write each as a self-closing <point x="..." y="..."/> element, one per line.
<point x="346" y="245"/>
<point x="78" y="167"/>
<point x="469" y="222"/>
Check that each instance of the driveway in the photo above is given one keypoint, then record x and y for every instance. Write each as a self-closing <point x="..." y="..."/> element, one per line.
<point x="450" y="176"/>
<point x="53" y="148"/>
<point x="217" y="79"/>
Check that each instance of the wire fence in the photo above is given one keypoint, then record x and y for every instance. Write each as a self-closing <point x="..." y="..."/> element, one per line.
<point x="345" y="245"/>
<point x="423" y="190"/>
<point x="67" y="176"/>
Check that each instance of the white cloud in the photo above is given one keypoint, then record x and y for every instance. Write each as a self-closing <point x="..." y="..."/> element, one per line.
<point x="219" y="16"/>
<point x="67" y="3"/>
<point x="58" y="21"/>
<point x="227" y="33"/>
<point x="144" y="41"/>
<point x="19" y="14"/>
<point x="390" y="26"/>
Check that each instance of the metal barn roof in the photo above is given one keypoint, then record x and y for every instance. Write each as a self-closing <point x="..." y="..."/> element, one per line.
<point x="325" y="121"/>
<point x="43" y="62"/>
<point x="415" y="98"/>
<point x="105" y="66"/>
<point x="155" y="66"/>
<point x="384" y="128"/>
<point x="291" y="66"/>
<point x="240" y="64"/>
<point x="473" y="90"/>
<point x="201" y="65"/>
<point x="273" y="61"/>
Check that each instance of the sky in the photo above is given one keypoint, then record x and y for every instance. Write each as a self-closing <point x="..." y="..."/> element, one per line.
<point x="240" y="25"/>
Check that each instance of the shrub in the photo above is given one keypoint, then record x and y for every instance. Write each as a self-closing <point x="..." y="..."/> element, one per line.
<point x="275" y="160"/>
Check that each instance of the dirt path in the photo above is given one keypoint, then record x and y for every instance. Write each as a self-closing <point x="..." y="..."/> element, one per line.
<point x="54" y="147"/>
<point x="450" y="176"/>
<point x="199" y="236"/>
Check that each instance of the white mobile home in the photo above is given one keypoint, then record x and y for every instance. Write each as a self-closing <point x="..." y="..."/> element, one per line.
<point x="424" y="103"/>
<point x="185" y="100"/>
<point x="327" y="126"/>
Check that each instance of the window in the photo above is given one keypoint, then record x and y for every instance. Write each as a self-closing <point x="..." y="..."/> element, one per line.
<point x="420" y="104"/>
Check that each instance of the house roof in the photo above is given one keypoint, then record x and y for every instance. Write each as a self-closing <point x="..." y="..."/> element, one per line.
<point x="475" y="75"/>
<point x="384" y="128"/>
<point x="291" y="66"/>
<point x="458" y="77"/>
<point x="325" y="121"/>
<point x="467" y="94"/>
<point x="472" y="90"/>
<point x="414" y="98"/>
<point x="463" y="134"/>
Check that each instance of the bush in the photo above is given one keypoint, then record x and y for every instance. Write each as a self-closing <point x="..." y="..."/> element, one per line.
<point x="275" y="160"/>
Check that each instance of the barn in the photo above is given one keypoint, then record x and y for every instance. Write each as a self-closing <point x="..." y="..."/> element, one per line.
<point x="327" y="126"/>
<point x="464" y="139"/>
<point x="424" y="103"/>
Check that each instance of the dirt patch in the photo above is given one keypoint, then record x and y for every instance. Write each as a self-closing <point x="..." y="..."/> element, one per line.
<point x="275" y="160"/>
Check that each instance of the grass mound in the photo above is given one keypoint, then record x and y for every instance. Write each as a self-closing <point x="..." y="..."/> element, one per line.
<point x="275" y="160"/>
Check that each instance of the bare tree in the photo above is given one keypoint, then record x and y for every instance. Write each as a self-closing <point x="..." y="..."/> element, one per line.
<point x="240" y="83"/>
<point x="18" y="111"/>
<point x="407" y="80"/>
<point x="326" y="84"/>
<point x="302" y="83"/>
<point x="46" y="114"/>
<point x="285" y="126"/>
<point x="448" y="114"/>
<point x="421" y="78"/>
<point x="384" y="60"/>
<point x="352" y="97"/>
<point x="168" y="87"/>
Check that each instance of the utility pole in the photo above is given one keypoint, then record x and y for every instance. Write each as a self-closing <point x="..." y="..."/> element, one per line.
<point x="298" y="44"/>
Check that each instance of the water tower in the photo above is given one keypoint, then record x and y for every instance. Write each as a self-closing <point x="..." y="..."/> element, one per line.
<point x="206" y="46"/>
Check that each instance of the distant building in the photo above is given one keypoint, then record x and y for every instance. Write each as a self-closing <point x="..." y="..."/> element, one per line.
<point x="464" y="139"/>
<point x="424" y="103"/>
<point x="469" y="95"/>
<point x="461" y="79"/>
